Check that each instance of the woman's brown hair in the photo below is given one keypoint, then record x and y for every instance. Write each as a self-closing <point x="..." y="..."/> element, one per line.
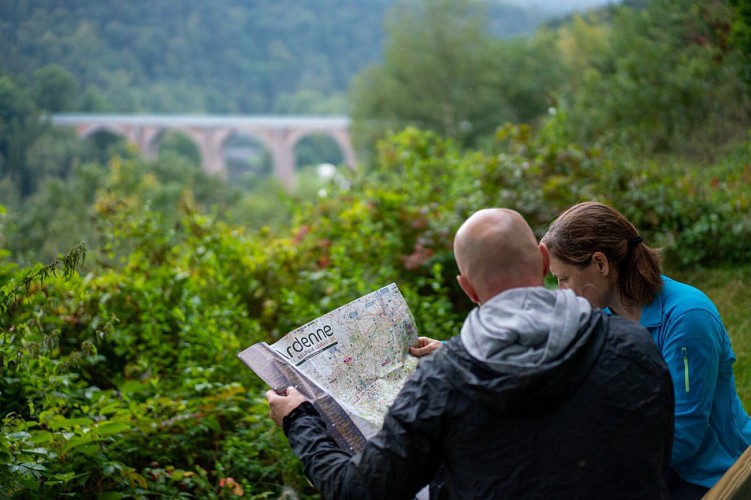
<point x="591" y="227"/>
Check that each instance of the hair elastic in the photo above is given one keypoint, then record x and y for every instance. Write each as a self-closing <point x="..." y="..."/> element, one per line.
<point x="635" y="241"/>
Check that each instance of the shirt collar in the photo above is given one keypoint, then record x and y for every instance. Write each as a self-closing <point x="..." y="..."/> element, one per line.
<point x="651" y="314"/>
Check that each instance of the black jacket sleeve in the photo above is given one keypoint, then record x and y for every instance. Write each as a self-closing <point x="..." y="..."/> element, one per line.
<point x="399" y="460"/>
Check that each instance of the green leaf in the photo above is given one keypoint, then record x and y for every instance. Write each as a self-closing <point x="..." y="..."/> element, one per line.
<point x="39" y="437"/>
<point x="133" y="387"/>
<point x="68" y="423"/>
<point x="109" y="428"/>
<point x="66" y="476"/>
<point x="27" y="468"/>
<point x="39" y="451"/>
<point x="111" y="495"/>
<point x="76" y="442"/>
<point x="110" y="408"/>
<point x="19" y="435"/>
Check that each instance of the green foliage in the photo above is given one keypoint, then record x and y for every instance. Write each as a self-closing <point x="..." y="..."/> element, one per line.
<point x="55" y="89"/>
<point x="225" y="56"/>
<point x="315" y="149"/>
<point x="125" y="381"/>
<point x="741" y="34"/>
<point x="695" y="213"/>
<point x="222" y="57"/>
<point x="20" y="125"/>
<point x="178" y="144"/>
<point x="665" y="80"/>
<point x="12" y="289"/>
<point x="443" y="71"/>
<point x="311" y="102"/>
<point x="39" y="227"/>
<point x="55" y="153"/>
<point x="31" y="151"/>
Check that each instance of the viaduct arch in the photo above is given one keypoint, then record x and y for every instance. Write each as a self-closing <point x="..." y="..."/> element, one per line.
<point x="279" y="134"/>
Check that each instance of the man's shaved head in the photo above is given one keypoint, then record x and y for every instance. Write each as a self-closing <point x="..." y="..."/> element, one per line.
<point x="495" y="249"/>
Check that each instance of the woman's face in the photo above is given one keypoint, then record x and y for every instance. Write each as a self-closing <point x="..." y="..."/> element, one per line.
<point x="590" y="282"/>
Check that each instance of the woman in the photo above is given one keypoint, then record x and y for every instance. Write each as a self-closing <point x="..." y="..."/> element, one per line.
<point x="596" y="252"/>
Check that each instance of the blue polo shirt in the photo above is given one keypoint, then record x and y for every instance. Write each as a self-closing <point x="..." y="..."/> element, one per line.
<point x="711" y="427"/>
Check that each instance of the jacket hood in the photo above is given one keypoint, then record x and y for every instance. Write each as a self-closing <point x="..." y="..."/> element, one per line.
<point x="524" y="327"/>
<point x="524" y="349"/>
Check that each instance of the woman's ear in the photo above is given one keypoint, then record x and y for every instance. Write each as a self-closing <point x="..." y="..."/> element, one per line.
<point x="602" y="263"/>
<point x="545" y="259"/>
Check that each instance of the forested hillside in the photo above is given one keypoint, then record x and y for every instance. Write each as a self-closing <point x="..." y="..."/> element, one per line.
<point x="223" y="56"/>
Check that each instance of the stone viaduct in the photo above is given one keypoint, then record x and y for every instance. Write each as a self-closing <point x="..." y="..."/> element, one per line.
<point x="279" y="134"/>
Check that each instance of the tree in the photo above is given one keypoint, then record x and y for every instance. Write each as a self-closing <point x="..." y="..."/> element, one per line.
<point x="54" y="89"/>
<point x="437" y="63"/>
<point x="20" y="125"/>
<point x="742" y="24"/>
<point x="741" y="34"/>
<point x="443" y="71"/>
<point x="665" y="79"/>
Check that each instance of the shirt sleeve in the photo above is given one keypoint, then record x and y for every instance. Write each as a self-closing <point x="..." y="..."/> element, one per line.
<point x="692" y="353"/>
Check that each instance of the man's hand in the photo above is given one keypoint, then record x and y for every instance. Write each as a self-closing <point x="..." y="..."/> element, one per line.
<point x="424" y="346"/>
<point x="281" y="406"/>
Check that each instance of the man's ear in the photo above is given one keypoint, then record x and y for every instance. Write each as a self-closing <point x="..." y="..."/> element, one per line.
<point x="545" y="259"/>
<point x="602" y="263"/>
<point x="469" y="290"/>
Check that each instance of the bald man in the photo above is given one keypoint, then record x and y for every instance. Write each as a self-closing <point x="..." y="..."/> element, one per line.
<point x="539" y="396"/>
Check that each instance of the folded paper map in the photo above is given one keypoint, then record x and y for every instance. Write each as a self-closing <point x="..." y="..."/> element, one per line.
<point x="350" y="363"/>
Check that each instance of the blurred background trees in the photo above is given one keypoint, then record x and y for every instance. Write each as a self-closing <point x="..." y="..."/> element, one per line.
<point x="443" y="70"/>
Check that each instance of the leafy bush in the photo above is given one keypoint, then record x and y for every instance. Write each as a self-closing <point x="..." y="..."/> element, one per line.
<point x="123" y="380"/>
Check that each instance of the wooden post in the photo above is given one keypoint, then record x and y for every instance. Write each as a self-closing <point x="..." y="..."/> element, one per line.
<point x="735" y="484"/>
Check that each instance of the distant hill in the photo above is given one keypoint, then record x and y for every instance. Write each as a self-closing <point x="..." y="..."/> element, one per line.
<point x="561" y="6"/>
<point x="223" y="56"/>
